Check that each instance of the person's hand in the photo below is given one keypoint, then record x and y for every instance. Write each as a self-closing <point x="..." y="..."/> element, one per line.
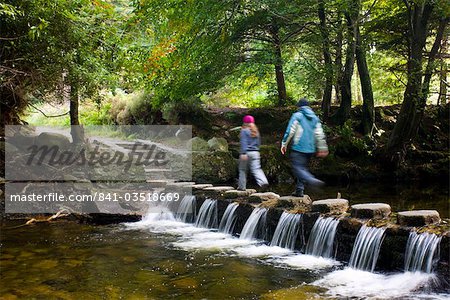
<point x="283" y="150"/>
<point x="322" y="153"/>
<point x="243" y="157"/>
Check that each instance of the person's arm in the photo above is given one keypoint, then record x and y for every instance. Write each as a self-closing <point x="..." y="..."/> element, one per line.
<point x="321" y="143"/>
<point x="245" y="138"/>
<point x="289" y="133"/>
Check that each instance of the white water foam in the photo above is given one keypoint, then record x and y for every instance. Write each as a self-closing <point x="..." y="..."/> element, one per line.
<point x="306" y="262"/>
<point x="350" y="282"/>
<point x="212" y="241"/>
<point x="261" y="251"/>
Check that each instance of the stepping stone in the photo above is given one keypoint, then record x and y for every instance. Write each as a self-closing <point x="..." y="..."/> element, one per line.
<point x="289" y="202"/>
<point x="152" y="171"/>
<point x="179" y="184"/>
<point x="330" y="206"/>
<point x="371" y="211"/>
<point x="260" y="197"/>
<point x="201" y="186"/>
<point x="418" y="217"/>
<point x="232" y="194"/>
<point x="293" y="201"/>
<point x="158" y="182"/>
<point x="219" y="189"/>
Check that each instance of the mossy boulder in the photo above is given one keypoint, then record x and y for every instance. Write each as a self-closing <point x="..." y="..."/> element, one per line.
<point x="218" y="144"/>
<point x="51" y="139"/>
<point x="198" y="144"/>
<point x="213" y="167"/>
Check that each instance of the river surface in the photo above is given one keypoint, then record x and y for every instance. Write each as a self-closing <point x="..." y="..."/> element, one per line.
<point x="160" y="259"/>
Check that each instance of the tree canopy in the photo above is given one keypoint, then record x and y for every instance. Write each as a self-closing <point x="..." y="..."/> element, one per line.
<point x="232" y="52"/>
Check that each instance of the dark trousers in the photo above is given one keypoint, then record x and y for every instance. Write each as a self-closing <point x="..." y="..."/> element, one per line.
<point x="300" y="162"/>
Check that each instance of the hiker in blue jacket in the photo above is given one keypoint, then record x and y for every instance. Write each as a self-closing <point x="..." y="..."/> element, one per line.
<point x="306" y="134"/>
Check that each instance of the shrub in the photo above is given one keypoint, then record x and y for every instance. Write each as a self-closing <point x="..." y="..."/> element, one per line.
<point x="133" y="109"/>
<point x="349" y="145"/>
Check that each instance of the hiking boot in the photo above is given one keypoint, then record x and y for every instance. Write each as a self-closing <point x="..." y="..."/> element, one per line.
<point x="297" y="194"/>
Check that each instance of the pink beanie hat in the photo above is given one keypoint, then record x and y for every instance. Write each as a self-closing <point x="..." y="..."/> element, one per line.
<point x="248" y="119"/>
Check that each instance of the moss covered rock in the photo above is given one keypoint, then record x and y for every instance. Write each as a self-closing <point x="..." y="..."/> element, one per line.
<point x="218" y="144"/>
<point x="213" y="167"/>
<point x="198" y="144"/>
<point x="51" y="139"/>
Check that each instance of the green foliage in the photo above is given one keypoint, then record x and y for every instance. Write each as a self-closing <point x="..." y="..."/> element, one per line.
<point x="349" y="145"/>
<point x="189" y="111"/>
<point x="90" y="113"/>
<point x="133" y="108"/>
<point x="57" y="45"/>
<point x="387" y="79"/>
<point x="188" y="53"/>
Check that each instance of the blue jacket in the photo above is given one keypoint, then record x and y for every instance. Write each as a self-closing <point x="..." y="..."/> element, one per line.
<point x="249" y="143"/>
<point x="305" y="131"/>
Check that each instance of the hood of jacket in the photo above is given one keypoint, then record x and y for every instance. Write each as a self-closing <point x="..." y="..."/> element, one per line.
<point x="307" y="112"/>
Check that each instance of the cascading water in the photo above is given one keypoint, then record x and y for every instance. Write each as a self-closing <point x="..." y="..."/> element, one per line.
<point x="255" y="224"/>
<point x="207" y="215"/>
<point x="321" y="239"/>
<point x="158" y="213"/>
<point x="287" y="231"/>
<point x="367" y="248"/>
<point x="186" y="211"/>
<point x="421" y="251"/>
<point x="229" y="219"/>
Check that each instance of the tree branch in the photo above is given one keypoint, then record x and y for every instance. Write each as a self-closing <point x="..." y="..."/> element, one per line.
<point x="55" y="116"/>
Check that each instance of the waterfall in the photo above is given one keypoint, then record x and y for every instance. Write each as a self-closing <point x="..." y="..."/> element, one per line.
<point x="321" y="239"/>
<point x="207" y="215"/>
<point x="366" y="248"/>
<point x="255" y="224"/>
<point x="158" y="213"/>
<point x="186" y="211"/>
<point x="421" y="251"/>
<point x="287" y="231"/>
<point x="229" y="219"/>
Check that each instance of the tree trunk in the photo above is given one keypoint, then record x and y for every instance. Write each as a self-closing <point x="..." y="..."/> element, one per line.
<point x="75" y="129"/>
<point x="338" y="60"/>
<point x="343" y="112"/>
<point x="368" y="110"/>
<point x="279" y="75"/>
<point x="326" y="100"/>
<point x="281" y="85"/>
<point x="410" y="113"/>
<point x="443" y="83"/>
<point x="429" y="70"/>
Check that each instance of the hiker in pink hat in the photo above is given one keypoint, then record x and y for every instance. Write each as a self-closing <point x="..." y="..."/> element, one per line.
<point x="249" y="154"/>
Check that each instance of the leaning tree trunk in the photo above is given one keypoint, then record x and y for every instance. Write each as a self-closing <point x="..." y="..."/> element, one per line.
<point x="326" y="100"/>
<point x="427" y="76"/>
<point x="416" y="92"/>
<point x="279" y="74"/>
<point x="343" y="113"/>
<point x="368" y="110"/>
